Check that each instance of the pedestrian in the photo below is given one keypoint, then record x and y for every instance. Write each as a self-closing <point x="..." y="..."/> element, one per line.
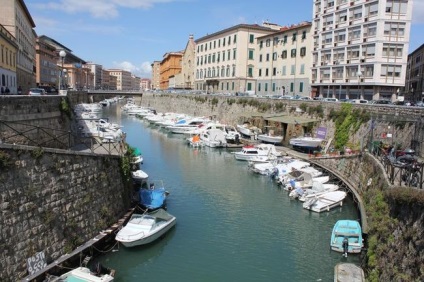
<point x="1" y="90"/>
<point x="7" y="91"/>
<point x="19" y="90"/>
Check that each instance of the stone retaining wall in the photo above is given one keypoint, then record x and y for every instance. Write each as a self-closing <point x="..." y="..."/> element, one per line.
<point x="53" y="201"/>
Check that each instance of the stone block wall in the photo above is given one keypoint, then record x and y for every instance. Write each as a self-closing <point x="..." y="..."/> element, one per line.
<point x="34" y="120"/>
<point x="52" y="201"/>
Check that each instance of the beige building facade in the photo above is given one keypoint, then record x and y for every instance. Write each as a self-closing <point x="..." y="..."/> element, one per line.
<point x="155" y="75"/>
<point x="15" y="17"/>
<point x="188" y="64"/>
<point x="46" y="57"/>
<point x="123" y="79"/>
<point x="225" y="60"/>
<point x="283" y="61"/>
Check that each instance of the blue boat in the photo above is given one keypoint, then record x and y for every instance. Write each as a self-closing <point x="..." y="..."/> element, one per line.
<point x="347" y="237"/>
<point x="152" y="198"/>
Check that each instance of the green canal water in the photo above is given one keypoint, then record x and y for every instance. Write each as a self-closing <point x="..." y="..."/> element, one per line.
<point x="232" y="225"/>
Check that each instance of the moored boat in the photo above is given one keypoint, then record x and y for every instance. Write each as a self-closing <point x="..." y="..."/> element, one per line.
<point x="306" y="143"/>
<point x="153" y="198"/>
<point x="325" y="202"/>
<point x="346" y="237"/>
<point x="145" y="228"/>
<point x="85" y="274"/>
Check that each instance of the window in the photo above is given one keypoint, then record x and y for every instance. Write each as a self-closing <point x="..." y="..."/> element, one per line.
<point x="249" y="86"/>
<point x="302" y="51"/>
<point x="394" y="29"/>
<point x="223" y="56"/>
<point x="259" y="87"/>
<point x="274" y="56"/>
<point x="268" y="42"/>
<point x="234" y="54"/>
<point x="285" y="39"/>
<point x="302" y="69"/>
<point x="235" y="38"/>
<point x="392" y="50"/>
<point x="273" y="87"/>
<point x="266" y="72"/>
<point x="293" y="53"/>
<point x="391" y="71"/>
<point x="260" y="72"/>
<point x="261" y="43"/>
<point x="267" y="57"/>
<point x="274" y="71"/>
<point x="252" y="38"/>
<point x="293" y="70"/>
<point x="251" y="54"/>
<point x="304" y="35"/>
<point x="301" y="87"/>
<point x="250" y="72"/>
<point x="291" y="86"/>
<point x="294" y="36"/>
<point x="234" y="71"/>
<point x="284" y="54"/>
<point x="368" y="50"/>
<point x="266" y="87"/>
<point x="260" y="58"/>
<point x="283" y="72"/>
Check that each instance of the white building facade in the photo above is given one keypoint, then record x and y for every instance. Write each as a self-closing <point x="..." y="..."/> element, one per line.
<point x="360" y="48"/>
<point x="97" y="71"/>
<point x="284" y="61"/>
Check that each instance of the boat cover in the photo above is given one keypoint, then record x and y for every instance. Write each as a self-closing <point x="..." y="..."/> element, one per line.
<point x="161" y="214"/>
<point x="153" y="198"/>
<point x="137" y="152"/>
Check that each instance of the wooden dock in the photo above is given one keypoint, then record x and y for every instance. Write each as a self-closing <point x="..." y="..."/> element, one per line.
<point x="102" y="236"/>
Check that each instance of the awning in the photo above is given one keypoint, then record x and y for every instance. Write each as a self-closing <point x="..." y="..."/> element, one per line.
<point x="290" y="119"/>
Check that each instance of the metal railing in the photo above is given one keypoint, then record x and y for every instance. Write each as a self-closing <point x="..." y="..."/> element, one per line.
<point x="38" y="136"/>
<point x="401" y="174"/>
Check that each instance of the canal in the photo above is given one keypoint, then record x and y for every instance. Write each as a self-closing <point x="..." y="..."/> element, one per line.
<point x="232" y="225"/>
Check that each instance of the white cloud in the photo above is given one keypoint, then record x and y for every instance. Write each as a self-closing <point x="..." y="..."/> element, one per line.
<point x="99" y="8"/>
<point x="418" y="12"/>
<point x="144" y="70"/>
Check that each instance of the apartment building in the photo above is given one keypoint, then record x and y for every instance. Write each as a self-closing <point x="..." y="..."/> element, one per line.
<point x="135" y="82"/>
<point x="9" y="49"/>
<point x="145" y="84"/>
<point x="46" y="57"/>
<point x="360" y="48"/>
<point x="225" y="60"/>
<point x="96" y="70"/>
<point x="123" y="78"/>
<point x="284" y="60"/>
<point x="170" y="66"/>
<point x="15" y="17"/>
<point x="415" y="76"/>
<point x="155" y="75"/>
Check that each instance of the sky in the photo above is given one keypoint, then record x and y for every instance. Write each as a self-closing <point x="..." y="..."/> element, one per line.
<point x="131" y="34"/>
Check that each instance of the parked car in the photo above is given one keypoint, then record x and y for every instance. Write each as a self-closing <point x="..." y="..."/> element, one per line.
<point x="36" y="91"/>
<point x="305" y="98"/>
<point x="359" y="101"/>
<point x="381" y="102"/>
<point x="419" y="104"/>
<point x="328" y="99"/>
<point x="318" y="98"/>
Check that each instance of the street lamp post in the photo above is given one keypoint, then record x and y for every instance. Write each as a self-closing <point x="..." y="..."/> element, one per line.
<point x="359" y="84"/>
<point x="62" y="55"/>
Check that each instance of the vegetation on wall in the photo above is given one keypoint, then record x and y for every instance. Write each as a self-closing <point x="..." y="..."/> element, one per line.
<point x="316" y="110"/>
<point x="126" y="163"/>
<point x="200" y="99"/>
<point x="37" y="153"/>
<point x="5" y="159"/>
<point x="347" y="121"/>
<point x="64" y="107"/>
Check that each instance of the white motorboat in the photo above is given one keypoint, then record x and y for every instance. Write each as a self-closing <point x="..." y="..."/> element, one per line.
<point x="270" y="167"/>
<point x="139" y="175"/>
<point x="232" y="135"/>
<point x="269" y="138"/>
<point x="248" y="130"/>
<point x="306" y="142"/>
<point x="214" y="138"/>
<point x="260" y="152"/>
<point x="325" y="202"/>
<point x="317" y="189"/>
<point x="194" y="141"/>
<point x="83" y="274"/>
<point x="296" y="173"/>
<point x="145" y="228"/>
<point x="305" y="180"/>
<point x="186" y="125"/>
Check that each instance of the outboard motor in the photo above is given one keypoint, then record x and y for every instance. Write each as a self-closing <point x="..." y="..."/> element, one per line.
<point x="345" y="246"/>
